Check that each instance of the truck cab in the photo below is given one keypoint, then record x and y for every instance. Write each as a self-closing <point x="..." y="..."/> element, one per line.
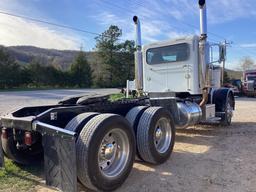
<point x="171" y="66"/>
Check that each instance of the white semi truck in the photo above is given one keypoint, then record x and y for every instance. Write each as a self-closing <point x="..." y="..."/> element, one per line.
<point x="96" y="140"/>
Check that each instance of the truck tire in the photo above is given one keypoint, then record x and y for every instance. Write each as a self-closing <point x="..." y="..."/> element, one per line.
<point x="133" y="116"/>
<point x="155" y="135"/>
<point x="78" y="122"/>
<point x="228" y="109"/>
<point x="25" y="156"/>
<point x="105" y="151"/>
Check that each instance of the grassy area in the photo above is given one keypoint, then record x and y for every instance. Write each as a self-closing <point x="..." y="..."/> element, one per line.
<point x="19" y="178"/>
<point x="115" y="97"/>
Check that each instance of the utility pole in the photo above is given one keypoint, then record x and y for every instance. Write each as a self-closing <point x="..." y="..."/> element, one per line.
<point x="224" y="61"/>
<point x="224" y="51"/>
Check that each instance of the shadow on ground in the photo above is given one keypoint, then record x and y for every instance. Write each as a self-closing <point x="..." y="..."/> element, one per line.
<point x="197" y="163"/>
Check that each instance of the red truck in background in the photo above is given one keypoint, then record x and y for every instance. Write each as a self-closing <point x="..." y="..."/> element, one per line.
<point x="249" y="83"/>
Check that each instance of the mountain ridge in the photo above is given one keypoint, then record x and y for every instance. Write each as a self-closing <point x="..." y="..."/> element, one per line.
<point x="26" y="54"/>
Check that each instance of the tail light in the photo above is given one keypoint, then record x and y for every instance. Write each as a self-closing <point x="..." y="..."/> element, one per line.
<point x="4" y="134"/>
<point x="28" y="138"/>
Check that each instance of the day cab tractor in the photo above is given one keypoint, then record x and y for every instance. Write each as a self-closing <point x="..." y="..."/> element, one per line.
<point x="95" y="140"/>
<point x="236" y="85"/>
<point x="249" y="83"/>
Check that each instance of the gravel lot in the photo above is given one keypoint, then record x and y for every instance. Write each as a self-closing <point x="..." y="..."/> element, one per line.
<point x="205" y="158"/>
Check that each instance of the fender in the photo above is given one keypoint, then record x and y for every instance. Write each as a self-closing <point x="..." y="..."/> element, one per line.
<point x="219" y="98"/>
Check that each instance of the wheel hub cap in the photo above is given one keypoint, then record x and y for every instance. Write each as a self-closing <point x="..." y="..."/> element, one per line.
<point x="113" y="153"/>
<point x="109" y="151"/>
<point x="163" y="135"/>
<point x="229" y="111"/>
<point x="158" y="134"/>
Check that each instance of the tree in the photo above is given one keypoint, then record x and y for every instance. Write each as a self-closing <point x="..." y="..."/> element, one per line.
<point x="127" y="50"/>
<point x="117" y="59"/>
<point x="247" y="63"/>
<point x="226" y="78"/>
<point x="10" y="71"/>
<point x="37" y="74"/>
<point x="81" y="71"/>
<point x="107" y="46"/>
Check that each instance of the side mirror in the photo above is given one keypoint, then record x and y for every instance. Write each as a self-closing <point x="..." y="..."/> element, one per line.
<point x="222" y="53"/>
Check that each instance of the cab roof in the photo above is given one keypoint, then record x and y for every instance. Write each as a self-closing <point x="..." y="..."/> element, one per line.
<point x="172" y="41"/>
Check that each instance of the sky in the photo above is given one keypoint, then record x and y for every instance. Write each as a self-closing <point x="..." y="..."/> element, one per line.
<point x="233" y="20"/>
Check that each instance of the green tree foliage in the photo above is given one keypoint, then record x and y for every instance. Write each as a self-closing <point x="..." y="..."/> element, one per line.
<point x="226" y="78"/>
<point x="10" y="71"/>
<point x="81" y="71"/>
<point x="116" y="58"/>
<point x="40" y="75"/>
<point x="107" y="46"/>
<point x="127" y="50"/>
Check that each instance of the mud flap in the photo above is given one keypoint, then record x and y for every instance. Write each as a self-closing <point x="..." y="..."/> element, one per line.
<point x="1" y="151"/>
<point x="59" y="157"/>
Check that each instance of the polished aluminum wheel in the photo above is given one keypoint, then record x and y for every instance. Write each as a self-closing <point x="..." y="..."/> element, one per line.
<point x="113" y="153"/>
<point x="163" y="135"/>
<point x="229" y="111"/>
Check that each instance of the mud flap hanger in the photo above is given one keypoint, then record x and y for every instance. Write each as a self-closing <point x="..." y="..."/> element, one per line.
<point x="59" y="156"/>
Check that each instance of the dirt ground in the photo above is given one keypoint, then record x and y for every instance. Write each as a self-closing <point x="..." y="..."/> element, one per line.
<point x="205" y="158"/>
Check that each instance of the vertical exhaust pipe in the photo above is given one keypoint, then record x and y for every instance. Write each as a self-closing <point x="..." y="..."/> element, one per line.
<point x="203" y="53"/>
<point x="138" y="56"/>
<point x="203" y="18"/>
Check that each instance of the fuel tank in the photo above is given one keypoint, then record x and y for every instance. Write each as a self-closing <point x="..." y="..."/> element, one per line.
<point x="189" y="114"/>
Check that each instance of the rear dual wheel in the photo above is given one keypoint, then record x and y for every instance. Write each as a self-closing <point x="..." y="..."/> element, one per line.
<point x="105" y="151"/>
<point x="155" y="133"/>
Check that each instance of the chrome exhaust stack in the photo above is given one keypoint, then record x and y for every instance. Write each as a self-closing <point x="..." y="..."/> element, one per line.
<point x="203" y="53"/>
<point x="203" y="18"/>
<point x="138" y="56"/>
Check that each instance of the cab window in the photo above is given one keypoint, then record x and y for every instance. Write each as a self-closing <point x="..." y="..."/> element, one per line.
<point x="168" y="54"/>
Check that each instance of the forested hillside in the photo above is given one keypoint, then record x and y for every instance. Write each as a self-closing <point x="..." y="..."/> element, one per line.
<point x="109" y="65"/>
<point x="26" y="54"/>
